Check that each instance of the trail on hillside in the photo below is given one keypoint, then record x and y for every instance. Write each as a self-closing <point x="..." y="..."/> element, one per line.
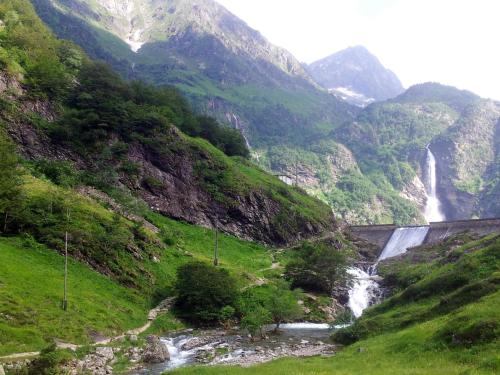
<point x="162" y="307"/>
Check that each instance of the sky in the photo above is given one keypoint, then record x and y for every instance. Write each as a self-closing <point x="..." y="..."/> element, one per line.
<point x="454" y="42"/>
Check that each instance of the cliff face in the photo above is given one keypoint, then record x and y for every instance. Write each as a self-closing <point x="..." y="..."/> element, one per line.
<point x="467" y="161"/>
<point x="186" y="179"/>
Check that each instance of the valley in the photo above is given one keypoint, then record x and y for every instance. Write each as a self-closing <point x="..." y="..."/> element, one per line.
<point x="179" y="195"/>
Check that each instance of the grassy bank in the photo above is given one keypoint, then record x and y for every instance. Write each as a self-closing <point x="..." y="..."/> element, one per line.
<point x="444" y="321"/>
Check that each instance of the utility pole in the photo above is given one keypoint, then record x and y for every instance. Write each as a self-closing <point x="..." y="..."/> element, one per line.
<point x="296" y="171"/>
<point x="216" y="246"/>
<point x="65" y="300"/>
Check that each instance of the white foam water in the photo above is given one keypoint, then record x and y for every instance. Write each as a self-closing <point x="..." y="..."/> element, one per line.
<point x="365" y="288"/>
<point x="432" y="211"/>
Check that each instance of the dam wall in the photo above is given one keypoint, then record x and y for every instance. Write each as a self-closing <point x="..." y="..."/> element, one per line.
<point x="380" y="234"/>
<point x="481" y="227"/>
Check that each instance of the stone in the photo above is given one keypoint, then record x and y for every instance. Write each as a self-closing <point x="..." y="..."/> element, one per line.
<point x="133" y="338"/>
<point x="105" y="352"/>
<point x="2" y="372"/>
<point x="156" y="351"/>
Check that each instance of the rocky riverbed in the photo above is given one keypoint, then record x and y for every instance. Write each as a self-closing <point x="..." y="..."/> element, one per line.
<point x="234" y="348"/>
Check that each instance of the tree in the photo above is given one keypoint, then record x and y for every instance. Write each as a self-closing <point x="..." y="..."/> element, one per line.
<point x="316" y="267"/>
<point x="283" y="306"/>
<point x="203" y="291"/>
<point x="254" y="318"/>
<point x="11" y="200"/>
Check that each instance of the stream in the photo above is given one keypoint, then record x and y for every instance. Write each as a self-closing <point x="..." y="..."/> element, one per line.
<point x="234" y="347"/>
<point x="296" y="339"/>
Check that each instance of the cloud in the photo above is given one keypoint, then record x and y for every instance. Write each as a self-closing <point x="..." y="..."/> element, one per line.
<point x="449" y="41"/>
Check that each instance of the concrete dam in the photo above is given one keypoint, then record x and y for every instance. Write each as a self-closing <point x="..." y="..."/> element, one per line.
<point x="379" y="235"/>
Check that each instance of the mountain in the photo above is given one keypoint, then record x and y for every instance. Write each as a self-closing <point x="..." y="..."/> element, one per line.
<point x="230" y="71"/>
<point x="357" y="76"/>
<point x="226" y="69"/>
<point x="461" y="129"/>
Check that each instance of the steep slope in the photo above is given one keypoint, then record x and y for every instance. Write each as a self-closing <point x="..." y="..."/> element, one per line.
<point x="226" y="68"/>
<point x="468" y="159"/>
<point x="122" y="136"/>
<point x="90" y="159"/>
<point x="357" y="76"/>
<point x="461" y="128"/>
<point x="230" y="71"/>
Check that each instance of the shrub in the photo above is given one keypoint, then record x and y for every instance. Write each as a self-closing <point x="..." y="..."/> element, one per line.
<point x="316" y="267"/>
<point x="203" y="291"/>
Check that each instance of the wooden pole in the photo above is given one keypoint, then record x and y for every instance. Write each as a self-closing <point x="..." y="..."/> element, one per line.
<point x="216" y="247"/>
<point x="65" y="299"/>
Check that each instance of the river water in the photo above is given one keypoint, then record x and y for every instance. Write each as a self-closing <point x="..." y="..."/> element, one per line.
<point x="217" y="347"/>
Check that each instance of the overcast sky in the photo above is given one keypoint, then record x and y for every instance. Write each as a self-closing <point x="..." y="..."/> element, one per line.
<point x="454" y="42"/>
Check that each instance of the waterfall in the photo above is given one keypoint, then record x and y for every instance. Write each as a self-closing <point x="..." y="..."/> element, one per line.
<point x="402" y="239"/>
<point x="362" y="292"/>
<point x="432" y="211"/>
<point x="365" y="288"/>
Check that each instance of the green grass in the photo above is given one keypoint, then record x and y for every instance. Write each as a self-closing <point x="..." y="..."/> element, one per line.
<point x="446" y="322"/>
<point x="243" y="258"/>
<point x="31" y="287"/>
<point x="31" y="281"/>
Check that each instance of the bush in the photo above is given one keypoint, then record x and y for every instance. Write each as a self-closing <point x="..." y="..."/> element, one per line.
<point x="204" y="292"/>
<point x="48" y="363"/>
<point x="316" y="267"/>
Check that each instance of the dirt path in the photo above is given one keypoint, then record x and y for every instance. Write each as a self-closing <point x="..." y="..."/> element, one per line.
<point x="164" y="306"/>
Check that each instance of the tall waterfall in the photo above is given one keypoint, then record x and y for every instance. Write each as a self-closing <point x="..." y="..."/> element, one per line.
<point x="365" y="288"/>
<point x="432" y="211"/>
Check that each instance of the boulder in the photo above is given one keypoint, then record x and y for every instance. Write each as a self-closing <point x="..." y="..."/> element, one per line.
<point x="2" y="372"/>
<point x="156" y="351"/>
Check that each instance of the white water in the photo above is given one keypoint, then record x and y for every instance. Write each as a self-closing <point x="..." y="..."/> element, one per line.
<point x="178" y="357"/>
<point x="365" y="288"/>
<point x="362" y="291"/>
<point x="304" y="325"/>
<point x="432" y="211"/>
<point x="402" y="239"/>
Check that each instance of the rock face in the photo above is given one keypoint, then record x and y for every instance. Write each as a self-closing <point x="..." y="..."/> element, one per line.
<point x="467" y="161"/>
<point x="357" y="76"/>
<point x="156" y="351"/>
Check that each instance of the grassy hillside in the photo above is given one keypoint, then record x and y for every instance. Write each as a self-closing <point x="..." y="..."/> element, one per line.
<point x="31" y="293"/>
<point x="32" y="275"/>
<point x="444" y="320"/>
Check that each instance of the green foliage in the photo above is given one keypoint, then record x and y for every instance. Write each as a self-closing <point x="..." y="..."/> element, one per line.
<point x="316" y="267"/>
<point x="104" y="104"/>
<point x="254" y="319"/>
<point x="61" y="173"/>
<point x="203" y="291"/>
<point x="11" y="195"/>
<point x="48" y="363"/>
<point x="449" y="284"/>
<point x="282" y="305"/>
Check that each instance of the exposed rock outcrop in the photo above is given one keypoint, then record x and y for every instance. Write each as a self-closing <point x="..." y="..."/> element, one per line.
<point x="156" y="351"/>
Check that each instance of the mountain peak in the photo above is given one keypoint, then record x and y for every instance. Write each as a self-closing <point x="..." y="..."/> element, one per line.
<point x="138" y="22"/>
<point x="357" y="75"/>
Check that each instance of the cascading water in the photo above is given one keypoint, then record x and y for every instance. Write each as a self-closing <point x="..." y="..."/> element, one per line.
<point x="402" y="239"/>
<point x="432" y="211"/>
<point x="365" y="288"/>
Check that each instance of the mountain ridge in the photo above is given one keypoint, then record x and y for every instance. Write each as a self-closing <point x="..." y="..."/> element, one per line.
<point x="356" y="75"/>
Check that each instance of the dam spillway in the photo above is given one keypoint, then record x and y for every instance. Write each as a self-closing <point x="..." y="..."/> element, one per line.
<point x="379" y="235"/>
